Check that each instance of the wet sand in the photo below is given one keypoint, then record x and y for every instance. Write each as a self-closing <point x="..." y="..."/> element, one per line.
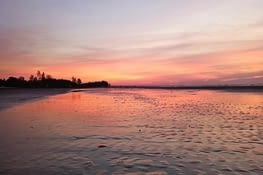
<point x="14" y="96"/>
<point x="128" y="131"/>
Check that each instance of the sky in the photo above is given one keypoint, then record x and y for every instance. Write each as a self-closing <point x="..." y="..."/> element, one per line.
<point x="138" y="42"/>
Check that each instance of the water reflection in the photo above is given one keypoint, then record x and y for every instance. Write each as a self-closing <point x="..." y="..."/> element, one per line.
<point x="141" y="131"/>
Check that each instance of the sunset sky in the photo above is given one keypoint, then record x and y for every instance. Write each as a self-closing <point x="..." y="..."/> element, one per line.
<point x="134" y="42"/>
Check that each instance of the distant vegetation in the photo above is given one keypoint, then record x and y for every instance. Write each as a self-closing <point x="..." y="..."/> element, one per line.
<point x="41" y="80"/>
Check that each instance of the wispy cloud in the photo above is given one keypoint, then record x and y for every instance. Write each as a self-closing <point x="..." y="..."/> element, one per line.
<point x="212" y="44"/>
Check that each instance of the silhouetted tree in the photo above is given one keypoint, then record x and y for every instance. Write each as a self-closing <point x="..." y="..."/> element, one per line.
<point x="31" y="78"/>
<point x="21" y="78"/>
<point x="74" y="80"/>
<point x="15" y="82"/>
<point x="48" y="77"/>
<point x="39" y="75"/>
<point x="102" y="84"/>
<point x="79" y="81"/>
<point x="2" y="82"/>
<point x="46" y="81"/>
<point x="43" y="77"/>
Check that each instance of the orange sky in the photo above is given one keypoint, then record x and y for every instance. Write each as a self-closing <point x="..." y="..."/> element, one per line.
<point x="155" y="43"/>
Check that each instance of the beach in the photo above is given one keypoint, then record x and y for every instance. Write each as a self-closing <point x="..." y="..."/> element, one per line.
<point x="131" y="131"/>
<point x="14" y="96"/>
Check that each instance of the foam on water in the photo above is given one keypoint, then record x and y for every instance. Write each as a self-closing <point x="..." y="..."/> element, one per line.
<point x="128" y="131"/>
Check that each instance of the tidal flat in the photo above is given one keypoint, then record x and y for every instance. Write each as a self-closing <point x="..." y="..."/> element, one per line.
<point x="133" y="131"/>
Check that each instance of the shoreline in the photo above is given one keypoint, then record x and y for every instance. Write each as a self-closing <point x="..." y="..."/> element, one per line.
<point x="14" y="96"/>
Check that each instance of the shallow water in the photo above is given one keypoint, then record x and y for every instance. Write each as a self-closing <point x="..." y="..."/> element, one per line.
<point x="134" y="131"/>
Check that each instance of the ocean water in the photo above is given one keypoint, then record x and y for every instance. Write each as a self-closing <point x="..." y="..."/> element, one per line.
<point x="134" y="131"/>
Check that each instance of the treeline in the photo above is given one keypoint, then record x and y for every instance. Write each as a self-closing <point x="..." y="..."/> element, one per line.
<point x="41" y="80"/>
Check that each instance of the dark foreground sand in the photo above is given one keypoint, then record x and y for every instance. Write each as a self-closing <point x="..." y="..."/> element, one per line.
<point x="13" y="96"/>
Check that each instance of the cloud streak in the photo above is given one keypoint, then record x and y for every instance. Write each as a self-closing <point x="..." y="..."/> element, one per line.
<point x="155" y="49"/>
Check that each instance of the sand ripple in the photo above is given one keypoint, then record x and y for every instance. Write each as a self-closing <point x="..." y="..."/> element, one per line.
<point x="152" y="132"/>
